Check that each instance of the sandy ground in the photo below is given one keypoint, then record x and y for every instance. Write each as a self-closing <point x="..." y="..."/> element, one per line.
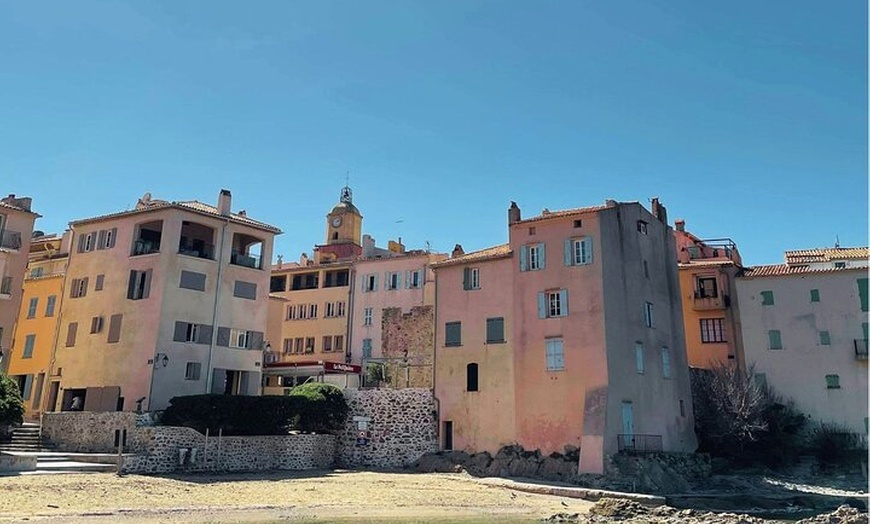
<point x="325" y="496"/>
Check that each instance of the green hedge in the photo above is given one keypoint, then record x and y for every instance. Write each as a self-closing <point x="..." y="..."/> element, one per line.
<point x="318" y="408"/>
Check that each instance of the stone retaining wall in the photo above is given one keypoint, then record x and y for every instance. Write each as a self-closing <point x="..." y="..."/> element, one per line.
<point x="92" y="431"/>
<point x="400" y="429"/>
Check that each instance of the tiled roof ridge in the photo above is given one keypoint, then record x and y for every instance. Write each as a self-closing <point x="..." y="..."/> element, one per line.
<point x="779" y="270"/>
<point x="498" y="251"/>
<point x="567" y="212"/>
<point x="827" y="253"/>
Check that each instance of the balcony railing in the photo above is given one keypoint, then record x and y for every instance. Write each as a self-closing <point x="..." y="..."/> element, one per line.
<point x="144" y="247"/>
<point x="861" y="349"/>
<point x="639" y="443"/>
<point x="199" y="251"/>
<point x="702" y="303"/>
<point x="240" y="258"/>
<point x="10" y="239"/>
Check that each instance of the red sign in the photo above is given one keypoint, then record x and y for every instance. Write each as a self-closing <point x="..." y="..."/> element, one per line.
<point x="338" y="367"/>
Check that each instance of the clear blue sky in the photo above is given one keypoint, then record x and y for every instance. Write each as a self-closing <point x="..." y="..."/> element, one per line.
<point x="747" y="118"/>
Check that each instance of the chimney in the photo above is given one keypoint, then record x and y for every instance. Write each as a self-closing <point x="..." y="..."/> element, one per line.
<point x="457" y="251"/>
<point x="680" y="224"/>
<point x="659" y="211"/>
<point x="225" y="200"/>
<point x="21" y="203"/>
<point x="610" y="202"/>
<point x="368" y="247"/>
<point x="514" y="214"/>
<point x="280" y="261"/>
<point x="303" y="260"/>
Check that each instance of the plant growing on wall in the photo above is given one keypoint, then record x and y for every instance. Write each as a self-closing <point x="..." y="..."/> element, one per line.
<point x="11" y="404"/>
<point x="377" y="373"/>
<point x="324" y="409"/>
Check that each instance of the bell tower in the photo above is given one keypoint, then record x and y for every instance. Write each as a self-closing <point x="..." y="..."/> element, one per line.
<point x="343" y="230"/>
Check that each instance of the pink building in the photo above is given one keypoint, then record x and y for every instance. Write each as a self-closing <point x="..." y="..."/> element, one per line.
<point x="587" y="303"/>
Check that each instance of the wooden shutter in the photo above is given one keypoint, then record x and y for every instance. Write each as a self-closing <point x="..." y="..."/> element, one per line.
<point x="563" y="302"/>
<point x="180" y="334"/>
<point x="28" y="384"/>
<point x="131" y="284"/>
<point x="862" y="293"/>
<point x="524" y="258"/>
<point x="98" y="285"/>
<point x="205" y="334"/>
<point x="223" y="337"/>
<point x="542" y="305"/>
<point x="569" y="252"/>
<point x="71" y="334"/>
<point x="542" y="256"/>
<point x="466" y="278"/>
<point x="587" y="243"/>
<point x="255" y="340"/>
<point x="114" y="231"/>
<point x="81" y="244"/>
<point x="115" y="329"/>
<point x="192" y="280"/>
<point x="147" y="286"/>
<point x="101" y="239"/>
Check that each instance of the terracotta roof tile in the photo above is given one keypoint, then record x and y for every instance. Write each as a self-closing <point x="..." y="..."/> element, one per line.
<point x="490" y="253"/>
<point x="562" y="213"/>
<point x="710" y="262"/>
<point x="190" y="205"/>
<point x="784" y="270"/>
<point x="804" y="256"/>
<point x="16" y="208"/>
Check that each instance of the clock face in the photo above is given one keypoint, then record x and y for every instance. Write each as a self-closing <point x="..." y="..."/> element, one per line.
<point x="336" y="221"/>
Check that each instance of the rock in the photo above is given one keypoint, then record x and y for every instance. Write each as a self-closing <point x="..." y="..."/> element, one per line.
<point x="617" y="508"/>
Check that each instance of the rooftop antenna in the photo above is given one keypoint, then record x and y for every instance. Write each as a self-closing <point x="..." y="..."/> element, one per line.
<point x="837" y="243"/>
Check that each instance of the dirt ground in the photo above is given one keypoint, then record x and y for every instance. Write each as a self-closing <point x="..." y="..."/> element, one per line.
<point x="268" y="497"/>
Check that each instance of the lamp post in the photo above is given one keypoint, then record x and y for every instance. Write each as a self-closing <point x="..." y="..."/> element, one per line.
<point x="159" y="360"/>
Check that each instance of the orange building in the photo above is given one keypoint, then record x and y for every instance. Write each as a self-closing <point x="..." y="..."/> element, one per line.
<point x="710" y="311"/>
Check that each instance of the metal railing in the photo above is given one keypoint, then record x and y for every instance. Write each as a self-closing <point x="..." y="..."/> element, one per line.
<point x="199" y="251"/>
<point x="639" y="443"/>
<point x="10" y="239"/>
<point x="144" y="247"/>
<point x="861" y="349"/>
<point x="240" y="258"/>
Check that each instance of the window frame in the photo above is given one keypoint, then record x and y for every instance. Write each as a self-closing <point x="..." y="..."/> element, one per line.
<point x="493" y="320"/>
<point x="555" y="360"/>
<point x="713" y="330"/>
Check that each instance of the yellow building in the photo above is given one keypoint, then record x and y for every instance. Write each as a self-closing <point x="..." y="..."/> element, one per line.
<point x="37" y="326"/>
<point x="309" y="305"/>
<point x="710" y="311"/>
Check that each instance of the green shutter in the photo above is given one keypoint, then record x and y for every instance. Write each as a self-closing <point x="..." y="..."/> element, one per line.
<point x="466" y="278"/>
<point x="767" y="298"/>
<point x="825" y="338"/>
<point x="542" y="305"/>
<point x="569" y="252"/>
<point x="814" y="295"/>
<point x="775" y="339"/>
<point x="862" y="293"/>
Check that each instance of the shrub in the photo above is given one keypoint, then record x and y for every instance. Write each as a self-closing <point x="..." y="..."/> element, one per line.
<point x="324" y="409"/>
<point x="11" y="404"/>
<point x="234" y="414"/>
<point x="833" y="443"/>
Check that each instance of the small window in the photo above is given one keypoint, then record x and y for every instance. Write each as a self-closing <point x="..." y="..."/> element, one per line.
<point x="642" y="227"/>
<point x="338" y="343"/>
<point x="312" y="311"/>
<point x="471" y="278"/>
<point x="192" y="371"/>
<point x="774" y="338"/>
<point x="707" y="288"/>
<point x="760" y="380"/>
<point x="329" y="310"/>
<point x="495" y="330"/>
<point x="682" y="408"/>
<point x="578" y="251"/>
<point x="339" y="308"/>
<point x="833" y="381"/>
<point x="471" y="377"/>
<point x="839" y="265"/>
<point x="299" y="345"/>
<point x="49" y="305"/>
<point x="712" y="330"/>
<point x="193" y="280"/>
<point x="638" y="357"/>
<point x="139" y="285"/>
<point x="246" y="290"/>
<point x="29" y="342"/>
<point x="648" y="314"/>
<point x="453" y="334"/>
<point x="31" y="308"/>
<point x="191" y="332"/>
<point x="327" y="343"/>
<point x="71" y="331"/>
<point x="767" y="298"/>
<point x="367" y="348"/>
<point x="814" y="295"/>
<point x="36" y="272"/>
<point x="96" y="324"/>
<point x="645" y="269"/>
<point x="414" y="279"/>
<point x="79" y="287"/>
<point x="824" y="338"/>
<point x="555" y="354"/>
<point x="367" y="316"/>
<point x="370" y="283"/>
<point x="533" y="257"/>
<point x="666" y="363"/>
<point x="98" y="284"/>
<point x="553" y="303"/>
<point x="392" y="281"/>
<point x="239" y="338"/>
<point x="309" y="344"/>
<point x="532" y="231"/>
<point x="578" y="223"/>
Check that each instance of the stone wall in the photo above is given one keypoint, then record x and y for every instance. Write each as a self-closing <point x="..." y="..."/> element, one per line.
<point x="92" y="431"/>
<point x="412" y="332"/>
<point x="401" y="428"/>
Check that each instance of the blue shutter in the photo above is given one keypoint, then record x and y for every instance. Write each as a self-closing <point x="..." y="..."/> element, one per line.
<point x="524" y="258"/>
<point x="588" y="242"/>
<point x="28" y="384"/>
<point x="542" y="305"/>
<point x="563" y="300"/>
<point x="466" y="278"/>
<point x="407" y="279"/>
<point x="375" y="282"/>
<point x="542" y="256"/>
<point x="569" y="257"/>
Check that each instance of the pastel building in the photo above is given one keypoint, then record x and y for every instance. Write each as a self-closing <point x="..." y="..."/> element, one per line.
<point x="805" y="331"/>
<point x="590" y="316"/>
<point x="16" y="227"/>
<point x="711" y="315"/>
<point x="393" y="318"/>
<point x="31" y="356"/>
<point x="162" y="300"/>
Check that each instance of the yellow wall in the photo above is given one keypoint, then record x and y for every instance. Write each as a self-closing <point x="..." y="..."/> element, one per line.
<point x="705" y="354"/>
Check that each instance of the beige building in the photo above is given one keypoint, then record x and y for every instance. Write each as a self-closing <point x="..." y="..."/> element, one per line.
<point x="163" y="300"/>
<point x="804" y="326"/>
<point x="16" y="227"/>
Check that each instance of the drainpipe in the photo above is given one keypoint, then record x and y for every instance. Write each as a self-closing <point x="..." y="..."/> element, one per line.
<point x="217" y="292"/>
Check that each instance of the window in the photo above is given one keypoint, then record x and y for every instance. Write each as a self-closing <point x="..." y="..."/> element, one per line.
<point x="839" y="265"/>
<point x="712" y="330"/>
<point x="329" y="309"/>
<point x="638" y="357"/>
<point x="833" y="381"/>
<point x="707" y="288"/>
<point x="767" y="298"/>
<point x="327" y="343"/>
<point x="414" y="279"/>
<point x="532" y="230"/>
<point x="87" y="242"/>
<point x="31" y="308"/>
<point x="49" y="305"/>
<point x="471" y="377"/>
<point x="533" y="257"/>
<point x="471" y="278"/>
<point x="814" y="295"/>
<point x="682" y="408"/>
<point x="339" y="309"/>
<point x="312" y="311"/>
<point x="115" y="329"/>
<point x="824" y="338"/>
<point x="29" y="342"/>
<point x="106" y="239"/>
<point x="36" y="272"/>
<point x="192" y="280"/>
<point x="238" y="338"/>
<point x="192" y="333"/>
<point x="367" y="316"/>
<point x="72" y="328"/>
<point x="139" y="285"/>
<point x="642" y="227"/>
<point x="648" y="314"/>
<point x="299" y="345"/>
<point x="645" y="269"/>
<point x="578" y="251"/>
<point x="578" y="223"/>
<point x="309" y="344"/>
<point x="302" y="311"/>
<point x="370" y="282"/>
<point x="666" y="363"/>
<point x="6" y="286"/>
<point x="278" y="284"/>
<point x="338" y="343"/>
<point x="96" y="324"/>
<point x="392" y="280"/>
<point x="246" y="290"/>
<point x="98" y="283"/>
<point x="79" y="287"/>
<point x="367" y="348"/>
<point x="453" y="334"/>
<point x="192" y="371"/>
<point x="288" y="346"/>
<point x="553" y="303"/>
<point x="774" y="339"/>
<point x="494" y="330"/>
<point x="555" y="354"/>
<point x="291" y="312"/>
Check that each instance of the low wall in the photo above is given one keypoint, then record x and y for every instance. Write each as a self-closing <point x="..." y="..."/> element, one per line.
<point x="387" y="428"/>
<point x="9" y="462"/>
<point x="92" y="431"/>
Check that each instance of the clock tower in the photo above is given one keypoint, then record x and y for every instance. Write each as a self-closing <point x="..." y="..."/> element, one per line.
<point x="343" y="230"/>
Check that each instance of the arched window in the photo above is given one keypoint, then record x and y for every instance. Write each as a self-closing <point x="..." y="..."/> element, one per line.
<point x="471" y="377"/>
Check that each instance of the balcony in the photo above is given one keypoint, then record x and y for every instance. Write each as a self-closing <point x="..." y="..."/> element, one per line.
<point x="700" y="302"/>
<point x="145" y="247"/>
<point x="861" y="349"/>
<point x="197" y="249"/>
<point x="10" y="239"/>
<point x="240" y="258"/>
<point x="639" y="443"/>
